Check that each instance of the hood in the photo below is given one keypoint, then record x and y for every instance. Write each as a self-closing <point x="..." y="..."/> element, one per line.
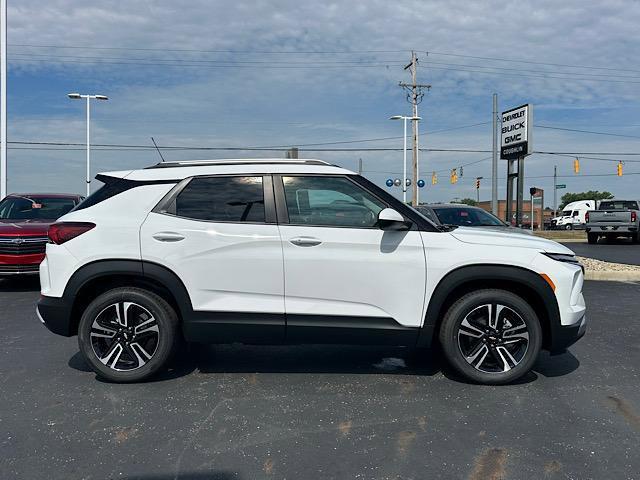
<point x="32" y="227"/>
<point x="507" y="238"/>
<point x="497" y="228"/>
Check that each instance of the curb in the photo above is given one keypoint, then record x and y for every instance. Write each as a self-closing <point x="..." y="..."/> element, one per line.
<point x="612" y="276"/>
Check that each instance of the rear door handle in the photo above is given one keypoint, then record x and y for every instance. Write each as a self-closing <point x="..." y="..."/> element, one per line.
<point x="168" y="236"/>
<point x="305" y="241"/>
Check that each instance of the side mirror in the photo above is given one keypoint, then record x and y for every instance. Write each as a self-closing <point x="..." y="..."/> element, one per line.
<point x="390" y="219"/>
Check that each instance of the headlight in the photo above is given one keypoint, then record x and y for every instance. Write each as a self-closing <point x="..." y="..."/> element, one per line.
<point x="564" y="257"/>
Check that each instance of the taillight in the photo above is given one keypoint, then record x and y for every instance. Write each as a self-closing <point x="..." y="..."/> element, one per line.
<point x="65" y="231"/>
<point x="586" y="217"/>
<point x="633" y="216"/>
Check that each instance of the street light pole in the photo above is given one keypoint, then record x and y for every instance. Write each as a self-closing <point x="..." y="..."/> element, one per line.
<point x="77" y="96"/>
<point x="404" y="163"/>
<point x="3" y="98"/>
<point x="404" y="156"/>
<point x="88" y="146"/>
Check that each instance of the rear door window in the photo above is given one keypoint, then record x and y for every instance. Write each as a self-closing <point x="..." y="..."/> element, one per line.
<point x="222" y="199"/>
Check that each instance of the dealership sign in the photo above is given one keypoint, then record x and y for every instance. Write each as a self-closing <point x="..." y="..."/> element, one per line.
<point x="515" y="134"/>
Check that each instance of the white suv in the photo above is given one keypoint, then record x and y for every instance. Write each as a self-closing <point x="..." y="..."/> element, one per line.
<point x="295" y="251"/>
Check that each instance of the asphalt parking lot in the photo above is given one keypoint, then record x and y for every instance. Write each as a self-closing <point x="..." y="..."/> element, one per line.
<point x="620" y="251"/>
<point x="240" y="412"/>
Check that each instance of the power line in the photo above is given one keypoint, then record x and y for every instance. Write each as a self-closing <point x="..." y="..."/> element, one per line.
<point x="311" y="65"/>
<point x="275" y="52"/>
<point x="587" y="131"/>
<point x="520" y="70"/>
<point x="512" y="60"/>
<point x="317" y="52"/>
<point x="262" y="62"/>
<point x="530" y="75"/>
<point x="134" y="147"/>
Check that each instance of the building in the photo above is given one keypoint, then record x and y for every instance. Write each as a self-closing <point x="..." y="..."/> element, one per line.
<point x="526" y="214"/>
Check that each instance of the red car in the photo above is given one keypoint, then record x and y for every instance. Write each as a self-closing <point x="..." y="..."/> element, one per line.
<point x="24" y="222"/>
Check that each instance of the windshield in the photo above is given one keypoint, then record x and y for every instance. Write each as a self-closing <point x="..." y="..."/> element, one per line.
<point x="566" y="213"/>
<point x="619" y="205"/>
<point x="467" y="217"/>
<point x="27" y="208"/>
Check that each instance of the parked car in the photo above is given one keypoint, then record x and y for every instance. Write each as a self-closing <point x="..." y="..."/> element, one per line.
<point x="573" y="216"/>
<point x="24" y="221"/>
<point x="465" y="216"/>
<point x="614" y="218"/>
<point x="298" y="251"/>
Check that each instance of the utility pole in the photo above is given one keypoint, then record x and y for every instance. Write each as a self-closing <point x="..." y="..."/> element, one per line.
<point x="494" y="158"/>
<point x="555" y="190"/>
<point x="359" y="166"/>
<point x="3" y="98"/>
<point x="292" y="152"/>
<point x="414" y="96"/>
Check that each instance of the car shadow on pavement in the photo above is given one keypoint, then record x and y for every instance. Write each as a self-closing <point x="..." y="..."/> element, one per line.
<point x="186" y="476"/>
<point x="20" y="284"/>
<point x="556" y="365"/>
<point x="315" y="359"/>
<point x="323" y="359"/>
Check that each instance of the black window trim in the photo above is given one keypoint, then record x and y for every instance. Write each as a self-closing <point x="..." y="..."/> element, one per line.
<point x="281" y="201"/>
<point x="167" y="205"/>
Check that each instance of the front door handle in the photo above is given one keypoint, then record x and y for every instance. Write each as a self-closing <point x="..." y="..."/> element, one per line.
<point x="168" y="236"/>
<point x="305" y="241"/>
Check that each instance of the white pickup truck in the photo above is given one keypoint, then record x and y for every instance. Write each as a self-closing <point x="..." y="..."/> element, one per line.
<point x="614" y="218"/>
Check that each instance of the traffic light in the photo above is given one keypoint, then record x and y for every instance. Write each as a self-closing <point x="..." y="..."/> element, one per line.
<point x="454" y="176"/>
<point x="576" y="166"/>
<point x="477" y="184"/>
<point x="461" y="171"/>
<point x="619" y="169"/>
<point x="434" y="178"/>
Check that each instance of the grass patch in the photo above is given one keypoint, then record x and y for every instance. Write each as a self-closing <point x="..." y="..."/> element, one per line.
<point x="562" y="234"/>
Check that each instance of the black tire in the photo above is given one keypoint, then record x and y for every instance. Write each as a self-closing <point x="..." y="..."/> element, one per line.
<point x="592" y="238"/>
<point x="635" y="238"/>
<point x="453" y="339"/>
<point x="130" y="357"/>
<point x="568" y="227"/>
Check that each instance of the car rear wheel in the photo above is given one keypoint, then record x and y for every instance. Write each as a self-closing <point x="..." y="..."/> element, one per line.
<point x="491" y="336"/>
<point x="592" y="238"/>
<point x="127" y="334"/>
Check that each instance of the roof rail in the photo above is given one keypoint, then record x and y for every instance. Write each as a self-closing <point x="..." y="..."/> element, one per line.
<point x="257" y="161"/>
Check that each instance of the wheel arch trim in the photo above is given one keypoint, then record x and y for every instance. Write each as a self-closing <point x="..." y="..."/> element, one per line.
<point x="142" y="270"/>
<point x="519" y="277"/>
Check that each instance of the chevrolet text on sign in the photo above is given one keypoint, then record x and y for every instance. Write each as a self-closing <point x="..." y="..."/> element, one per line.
<point x="515" y="134"/>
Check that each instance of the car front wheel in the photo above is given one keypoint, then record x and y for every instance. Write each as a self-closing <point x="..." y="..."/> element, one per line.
<point x="491" y="336"/>
<point x="127" y="334"/>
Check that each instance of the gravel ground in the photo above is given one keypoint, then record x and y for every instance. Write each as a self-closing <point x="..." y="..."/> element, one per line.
<point x="591" y="264"/>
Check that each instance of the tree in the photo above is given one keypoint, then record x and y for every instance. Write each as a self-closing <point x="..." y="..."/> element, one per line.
<point x="590" y="195"/>
<point x="468" y="201"/>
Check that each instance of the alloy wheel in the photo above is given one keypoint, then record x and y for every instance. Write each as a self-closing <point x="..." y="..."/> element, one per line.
<point x="493" y="338"/>
<point x="124" y="336"/>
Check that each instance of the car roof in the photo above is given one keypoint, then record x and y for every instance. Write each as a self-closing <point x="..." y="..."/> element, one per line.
<point x="230" y="166"/>
<point x="47" y="195"/>
<point x="450" y="205"/>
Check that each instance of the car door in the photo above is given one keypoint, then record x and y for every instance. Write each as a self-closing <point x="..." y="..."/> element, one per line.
<point x="346" y="280"/>
<point x="219" y="235"/>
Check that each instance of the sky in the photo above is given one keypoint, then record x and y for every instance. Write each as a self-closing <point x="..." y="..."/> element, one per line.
<point x="206" y="73"/>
